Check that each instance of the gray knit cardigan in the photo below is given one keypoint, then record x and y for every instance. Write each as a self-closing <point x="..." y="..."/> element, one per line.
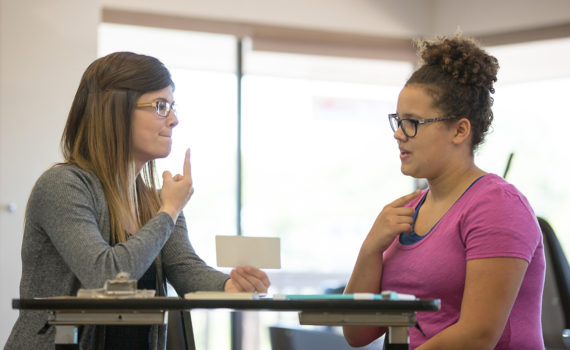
<point x="66" y="247"/>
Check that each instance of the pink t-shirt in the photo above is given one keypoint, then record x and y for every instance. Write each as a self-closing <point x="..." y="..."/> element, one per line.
<point x="491" y="219"/>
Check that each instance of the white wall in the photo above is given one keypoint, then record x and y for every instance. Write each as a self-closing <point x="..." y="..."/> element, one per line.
<point x="398" y="18"/>
<point x="490" y="16"/>
<point x="44" y="48"/>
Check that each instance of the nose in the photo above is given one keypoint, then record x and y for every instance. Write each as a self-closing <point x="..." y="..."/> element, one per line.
<point x="172" y="119"/>
<point x="399" y="134"/>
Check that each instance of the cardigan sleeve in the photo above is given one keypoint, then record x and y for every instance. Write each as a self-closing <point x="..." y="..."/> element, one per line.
<point x="184" y="269"/>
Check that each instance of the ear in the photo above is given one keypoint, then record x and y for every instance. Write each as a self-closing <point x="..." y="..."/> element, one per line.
<point x="462" y="130"/>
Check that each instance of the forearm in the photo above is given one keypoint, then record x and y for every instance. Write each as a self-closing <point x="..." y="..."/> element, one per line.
<point x="365" y="277"/>
<point x="366" y="274"/>
<point x="184" y="269"/>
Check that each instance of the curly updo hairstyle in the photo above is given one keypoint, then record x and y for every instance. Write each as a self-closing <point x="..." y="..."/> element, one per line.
<point x="459" y="76"/>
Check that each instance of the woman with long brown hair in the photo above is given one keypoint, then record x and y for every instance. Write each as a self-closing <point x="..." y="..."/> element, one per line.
<point x="100" y="211"/>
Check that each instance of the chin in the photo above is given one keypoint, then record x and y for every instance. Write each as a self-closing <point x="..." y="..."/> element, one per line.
<point x="405" y="170"/>
<point x="162" y="155"/>
<point x="410" y="172"/>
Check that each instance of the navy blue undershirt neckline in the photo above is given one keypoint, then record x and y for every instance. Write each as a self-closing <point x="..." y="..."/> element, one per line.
<point x="411" y="238"/>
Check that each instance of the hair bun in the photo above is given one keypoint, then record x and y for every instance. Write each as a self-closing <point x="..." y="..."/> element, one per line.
<point x="462" y="58"/>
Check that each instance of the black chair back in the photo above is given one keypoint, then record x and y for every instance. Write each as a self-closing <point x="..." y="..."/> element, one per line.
<point x="556" y="297"/>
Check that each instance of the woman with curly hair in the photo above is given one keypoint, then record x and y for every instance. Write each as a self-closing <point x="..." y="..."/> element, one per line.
<point x="470" y="239"/>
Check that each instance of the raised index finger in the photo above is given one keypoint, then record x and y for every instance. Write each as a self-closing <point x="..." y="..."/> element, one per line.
<point x="405" y="199"/>
<point x="187" y="171"/>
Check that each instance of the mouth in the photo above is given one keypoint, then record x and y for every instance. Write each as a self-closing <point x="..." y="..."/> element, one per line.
<point x="404" y="154"/>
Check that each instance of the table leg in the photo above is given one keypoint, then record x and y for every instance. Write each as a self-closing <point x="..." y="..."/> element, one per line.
<point x="66" y="338"/>
<point x="398" y="339"/>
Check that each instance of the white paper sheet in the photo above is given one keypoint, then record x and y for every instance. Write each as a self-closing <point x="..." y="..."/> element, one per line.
<point x="260" y="252"/>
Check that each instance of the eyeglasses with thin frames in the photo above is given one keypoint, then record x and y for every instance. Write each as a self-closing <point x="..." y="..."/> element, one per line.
<point x="162" y="107"/>
<point x="410" y="126"/>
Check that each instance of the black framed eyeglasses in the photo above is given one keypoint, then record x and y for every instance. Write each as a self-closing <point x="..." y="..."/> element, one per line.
<point x="162" y="107"/>
<point x="410" y="126"/>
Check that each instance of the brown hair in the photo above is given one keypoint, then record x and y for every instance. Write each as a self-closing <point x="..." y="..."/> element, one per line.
<point x="459" y="76"/>
<point x="97" y="135"/>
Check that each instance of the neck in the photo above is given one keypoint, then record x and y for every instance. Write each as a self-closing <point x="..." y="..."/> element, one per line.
<point x="454" y="182"/>
<point x="138" y="168"/>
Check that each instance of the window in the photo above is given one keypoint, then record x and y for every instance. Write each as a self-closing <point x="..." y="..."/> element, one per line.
<point x="319" y="156"/>
<point x="319" y="163"/>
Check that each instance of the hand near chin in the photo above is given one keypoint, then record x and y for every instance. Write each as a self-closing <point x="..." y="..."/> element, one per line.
<point x="247" y="279"/>
<point x="394" y="219"/>
<point x="177" y="190"/>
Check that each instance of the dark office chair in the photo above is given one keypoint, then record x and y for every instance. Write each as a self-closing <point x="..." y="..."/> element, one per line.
<point x="556" y="297"/>
<point x="179" y="335"/>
